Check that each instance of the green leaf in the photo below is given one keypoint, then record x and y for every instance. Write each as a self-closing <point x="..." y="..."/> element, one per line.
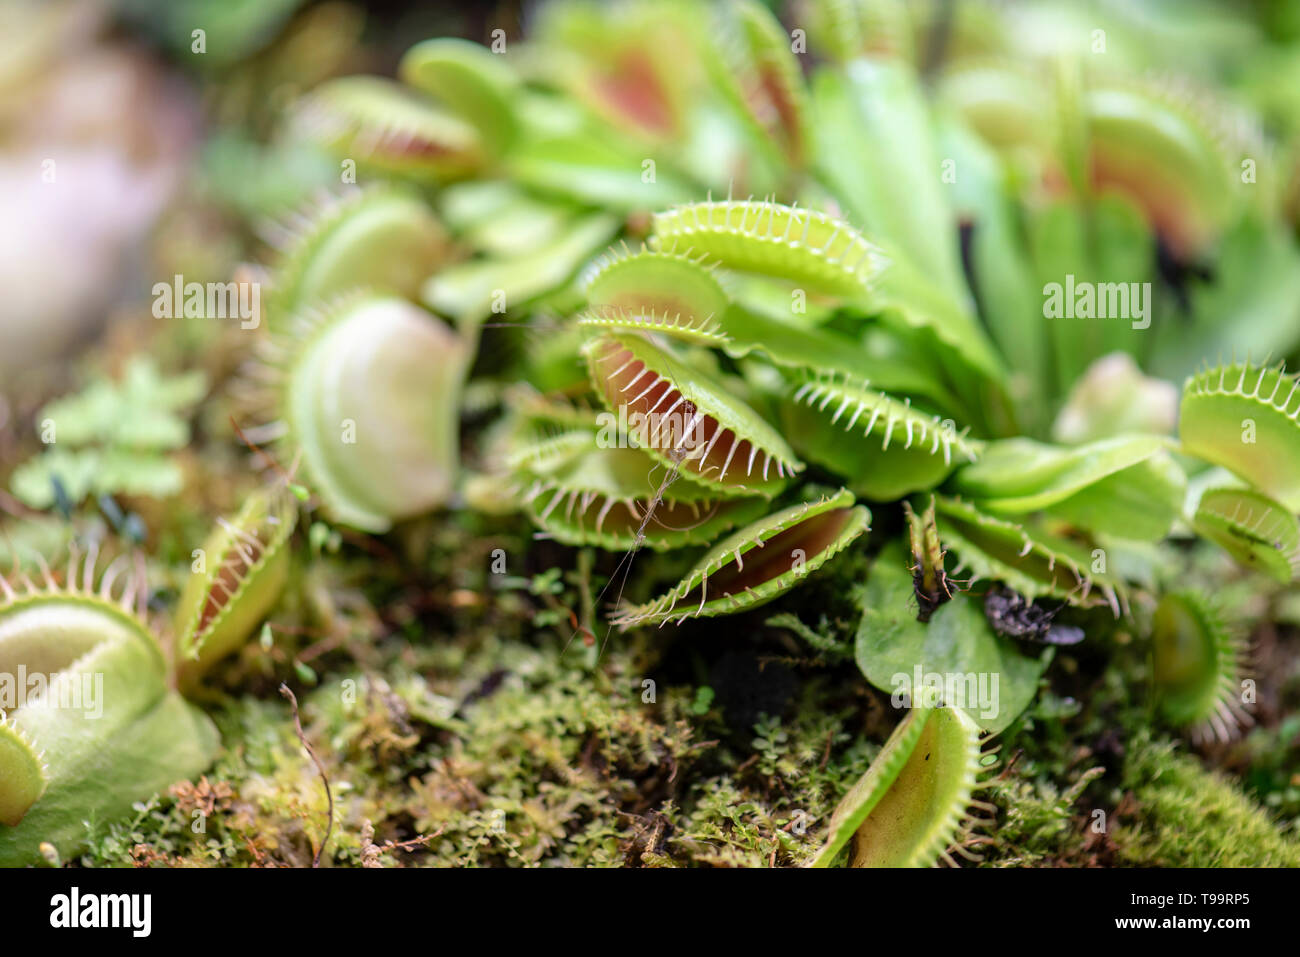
<point x="892" y="191"/>
<point x="1126" y="486"/>
<point x="958" y="641"/>
<point x="33" y="481"/>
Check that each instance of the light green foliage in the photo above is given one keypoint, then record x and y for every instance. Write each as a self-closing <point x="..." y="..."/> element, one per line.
<point x="100" y="730"/>
<point x="112" y="438"/>
<point x="957" y="640"/>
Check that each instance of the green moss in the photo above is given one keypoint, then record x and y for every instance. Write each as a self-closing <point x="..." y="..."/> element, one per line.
<point x="1188" y="816"/>
<point x="1038" y="823"/>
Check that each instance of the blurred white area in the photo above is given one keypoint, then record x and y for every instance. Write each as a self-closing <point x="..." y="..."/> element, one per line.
<point x="113" y="132"/>
<point x="1113" y="397"/>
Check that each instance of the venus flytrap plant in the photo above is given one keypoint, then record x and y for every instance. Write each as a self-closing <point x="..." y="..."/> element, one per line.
<point x="890" y="448"/>
<point x="759" y="74"/>
<point x="1198" y="667"/>
<point x="781" y="549"/>
<point x="387" y="128"/>
<point x="731" y="447"/>
<point x="381" y="238"/>
<point x="652" y="283"/>
<point x="696" y="391"/>
<point x="1246" y="418"/>
<point x="1255" y="530"/>
<point x="95" y="726"/>
<point x="619" y="64"/>
<point x="805" y="247"/>
<point x="1160" y="146"/>
<point x="470" y="80"/>
<point x="245" y="566"/>
<point x="789" y="343"/>
<point x="607" y="497"/>
<point x="913" y="806"/>
<point x="364" y="391"/>
<point x="1032" y="560"/>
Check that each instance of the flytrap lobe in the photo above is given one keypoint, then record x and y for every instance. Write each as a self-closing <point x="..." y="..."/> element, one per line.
<point x="810" y="249"/>
<point x="758" y="73"/>
<point x="673" y="293"/>
<point x="453" y="117"/>
<point x="758" y="563"/>
<point x="1034" y="562"/>
<point x="1246" y="418"/>
<point x="687" y="418"/>
<point x="469" y="80"/>
<point x="1161" y="147"/>
<point x="889" y="448"/>
<point x="366" y="390"/>
<point x="913" y="807"/>
<point x="1251" y="527"/>
<point x="94" y="726"/>
<point x="1199" y="666"/>
<point x="389" y="129"/>
<point x="246" y="564"/>
<point x="617" y="499"/>
<point x="383" y="238"/>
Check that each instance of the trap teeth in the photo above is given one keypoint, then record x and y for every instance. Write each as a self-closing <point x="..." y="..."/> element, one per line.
<point x="1199" y="668"/>
<point x="890" y="448"/>
<point x="671" y="287"/>
<point x="701" y="331"/>
<point x="102" y="730"/>
<point x="1255" y="530"/>
<point x="1246" y="418"/>
<point x="688" y="419"/>
<point x="246" y="566"/>
<point x="759" y="562"/>
<point x="810" y="249"/>
<point x="621" y="499"/>
<point x="913" y="803"/>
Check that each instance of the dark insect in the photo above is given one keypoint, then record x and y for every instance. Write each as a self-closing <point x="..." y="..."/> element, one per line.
<point x="1011" y="614"/>
<point x="931" y="590"/>
<point x="931" y="583"/>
